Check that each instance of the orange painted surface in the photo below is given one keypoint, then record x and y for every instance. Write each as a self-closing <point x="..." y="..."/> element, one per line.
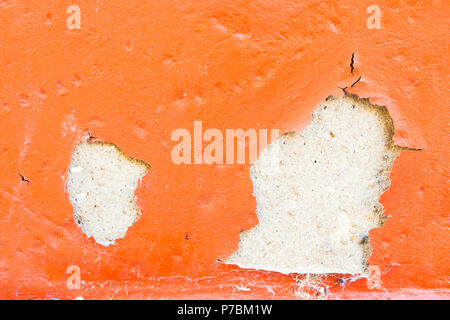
<point x="137" y="70"/>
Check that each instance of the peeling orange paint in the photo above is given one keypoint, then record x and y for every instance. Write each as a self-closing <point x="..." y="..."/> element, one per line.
<point x="136" y="71"/>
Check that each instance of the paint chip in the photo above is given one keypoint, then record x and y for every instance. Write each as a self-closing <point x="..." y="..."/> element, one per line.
<point x="317" y="192"/>
<point x="101" y="185"/>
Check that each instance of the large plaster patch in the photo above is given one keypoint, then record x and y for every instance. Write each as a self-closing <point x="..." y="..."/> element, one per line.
<point x="317" y="192"/>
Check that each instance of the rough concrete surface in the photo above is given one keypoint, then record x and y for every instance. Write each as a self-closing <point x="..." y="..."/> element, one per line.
<point x="101" y="185"/>
<point x="317" y="192"/>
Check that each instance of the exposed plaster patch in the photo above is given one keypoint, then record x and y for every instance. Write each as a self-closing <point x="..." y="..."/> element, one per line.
<point x="101" y="185"/>
<point x="317" y="192"/>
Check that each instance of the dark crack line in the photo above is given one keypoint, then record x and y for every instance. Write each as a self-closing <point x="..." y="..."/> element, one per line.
<point x="90" y="137"/>
<point x="24" y="179"/>
<point x="354" y="83"/>
<point x="344" y="89"/>
<point x="352" y="63"/>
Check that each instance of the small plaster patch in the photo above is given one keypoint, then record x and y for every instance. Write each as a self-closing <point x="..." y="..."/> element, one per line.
<point x="101" y="185"/>
<point x="317" y="192"/>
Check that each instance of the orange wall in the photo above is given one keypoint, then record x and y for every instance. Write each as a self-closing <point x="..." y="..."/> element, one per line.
<point x="137" y="70"/>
